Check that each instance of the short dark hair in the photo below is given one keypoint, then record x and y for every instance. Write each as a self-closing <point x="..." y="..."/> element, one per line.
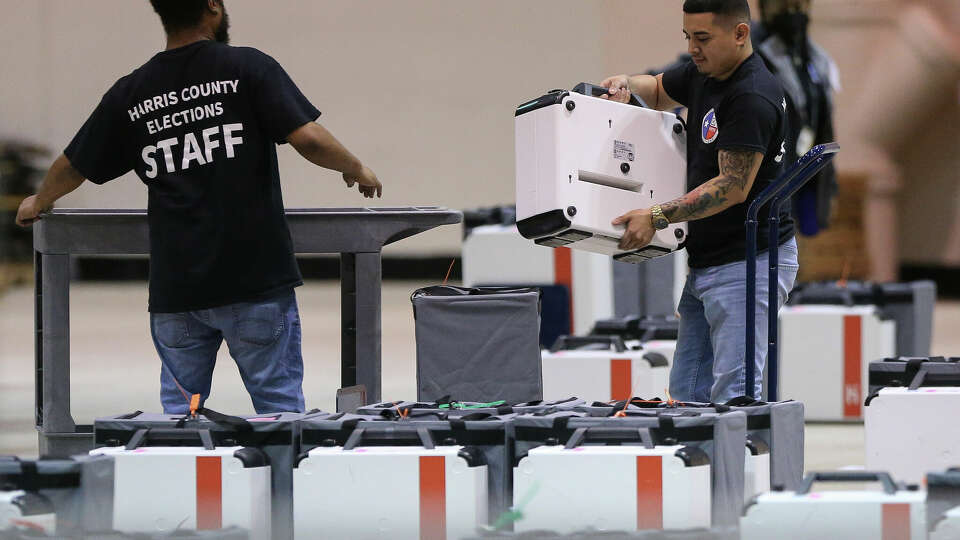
<point x="737" y="11"/>
<point x="179" y="14"/>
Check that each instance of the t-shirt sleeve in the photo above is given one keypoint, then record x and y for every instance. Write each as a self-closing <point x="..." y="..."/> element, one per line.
<point x="749" y="122"/>
<point x="281" y="107"/>
<point x="98" y="150"/>
<point x="676" y="81"/>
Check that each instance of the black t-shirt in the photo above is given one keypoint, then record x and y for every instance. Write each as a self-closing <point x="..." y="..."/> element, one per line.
<point x="199" y="125"/>
<point x="744" y="112"/>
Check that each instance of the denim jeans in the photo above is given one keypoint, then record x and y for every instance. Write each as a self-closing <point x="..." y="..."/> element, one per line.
<point x="263" y="338"/>
<point x="708" y="365"/>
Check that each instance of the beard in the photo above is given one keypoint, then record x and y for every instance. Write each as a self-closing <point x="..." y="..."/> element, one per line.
<point x="222" y="34"/>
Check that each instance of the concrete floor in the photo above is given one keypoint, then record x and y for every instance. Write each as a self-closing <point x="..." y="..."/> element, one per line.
<point x="115" y="368"/>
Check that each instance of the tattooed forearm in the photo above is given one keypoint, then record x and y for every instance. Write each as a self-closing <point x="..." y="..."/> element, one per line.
<point x="737" y="171"/>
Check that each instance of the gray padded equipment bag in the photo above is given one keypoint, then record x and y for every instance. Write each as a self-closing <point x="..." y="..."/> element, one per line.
<point x="478" y="344"/>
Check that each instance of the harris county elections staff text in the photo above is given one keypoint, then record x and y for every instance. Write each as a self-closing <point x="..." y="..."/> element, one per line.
<point x="190" y="144"/>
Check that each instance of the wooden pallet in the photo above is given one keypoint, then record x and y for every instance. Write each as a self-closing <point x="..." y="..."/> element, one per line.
<point x="840" y="251"/>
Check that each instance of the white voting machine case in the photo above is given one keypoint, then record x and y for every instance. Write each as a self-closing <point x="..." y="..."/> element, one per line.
<point x="825" y="355"/>
<point x="402" y="492"/>
<point x="582" y="161"/>
<point x="603" y="368"/>
<point x="164" y="488"/>
<point x="850" y="515"/>
<point x="611" y="488"/>
<point x="912" y="432"/>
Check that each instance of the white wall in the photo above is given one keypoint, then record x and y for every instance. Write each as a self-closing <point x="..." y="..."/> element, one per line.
<point x="422" y="90"/>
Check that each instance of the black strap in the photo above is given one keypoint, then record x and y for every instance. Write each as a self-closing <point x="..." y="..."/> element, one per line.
<point x="312" y="411"/>
<point x="744" y="401"/>
<point x="560" y="423"/>
<point x="668" y="429"/>
<point x="237" y="423"/>
<point x="128" y="416"/>
<point x="505" y="409"/>
<point x="337" y="416"/>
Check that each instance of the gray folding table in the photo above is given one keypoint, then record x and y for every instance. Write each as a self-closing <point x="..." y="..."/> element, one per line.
<point x="357" y="234"/>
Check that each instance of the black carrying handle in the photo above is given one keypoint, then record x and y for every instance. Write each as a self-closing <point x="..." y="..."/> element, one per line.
<point x="585" y="434"/>
<point x="595" y="90"/>
<point x="419" y="434"/>
<point x="570" y="343"/>
<point x="889" y="486"/>
<point x="147" y="435"/>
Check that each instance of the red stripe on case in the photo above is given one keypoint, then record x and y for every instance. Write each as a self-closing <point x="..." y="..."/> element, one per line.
<point x="209" y="493"/>
<point x="433" y="498"/>
<point x="852" y="366"/>
<point x="896" y="521"/>
<point x="563" y="274"/>
<point x="621" y="377"/>
<point x="649" y="492"/>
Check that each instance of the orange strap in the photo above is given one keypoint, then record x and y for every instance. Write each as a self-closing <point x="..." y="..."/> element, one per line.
<point x="194" y="404"/>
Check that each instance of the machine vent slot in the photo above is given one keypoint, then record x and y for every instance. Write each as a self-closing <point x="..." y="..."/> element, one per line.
<point x="625" y="184"/>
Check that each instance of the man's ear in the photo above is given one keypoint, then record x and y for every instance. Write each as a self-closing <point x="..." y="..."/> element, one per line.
<point x="742" y="33"/>
<point x="213" y="6"/>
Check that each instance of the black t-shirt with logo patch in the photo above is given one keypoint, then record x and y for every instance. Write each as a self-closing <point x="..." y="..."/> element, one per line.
<point x="744" y="112"/>
<point x="199" y="125"/>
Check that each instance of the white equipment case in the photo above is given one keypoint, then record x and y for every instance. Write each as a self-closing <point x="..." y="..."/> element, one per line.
<point x="497" y="255"/>
<point x="825" y="354"/>
<point x="390" y="479"/>
<point x="613" y="488"/>
<point x="714" y="442"/>
<point x="168" y="488"/>
<point x="582" y="161"/>
<point x="851" y="515"/>
<point x="603" y="368"/>
<point x="924" y="419"/>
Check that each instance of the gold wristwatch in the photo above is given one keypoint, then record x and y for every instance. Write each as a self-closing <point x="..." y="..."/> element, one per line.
<point x="660" y="221"/>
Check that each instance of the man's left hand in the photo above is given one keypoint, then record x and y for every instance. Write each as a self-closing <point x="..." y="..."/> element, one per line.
<point x="639" y="229"/>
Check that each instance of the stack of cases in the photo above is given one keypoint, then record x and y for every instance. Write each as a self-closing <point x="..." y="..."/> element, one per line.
<point x="62" y="496"/>
<point x="656" y="334"/>
<point x="586" y="278"/>
<point x="200" y="474"/>
<point x="943" y="504"/>
<point x="774" y="442"/>
<point x="370" y="477"/>
<point x="852" y="515"/>
<point x="662" y="472"/>
<point x="829" y="334"/>
<point x="603" y="367"/>
<point x="623" y="357"/>
<point x="915" y="400"/>
<point x="825" y="352"/>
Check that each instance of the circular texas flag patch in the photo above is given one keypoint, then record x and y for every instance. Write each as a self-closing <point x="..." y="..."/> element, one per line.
<point x="709" y="129"/>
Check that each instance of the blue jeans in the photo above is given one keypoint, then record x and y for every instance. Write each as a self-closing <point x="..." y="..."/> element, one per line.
<point x="263" y="339"/>
<point x="708" y="365"/>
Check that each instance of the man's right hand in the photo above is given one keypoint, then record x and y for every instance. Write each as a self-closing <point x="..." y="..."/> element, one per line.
<point x="619" y="87"/>
<point x="367" y="182"/>
<point x="29" y="211"/>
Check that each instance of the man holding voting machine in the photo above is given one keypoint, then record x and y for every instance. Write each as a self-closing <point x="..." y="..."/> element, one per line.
<point x="735" y="148"/>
